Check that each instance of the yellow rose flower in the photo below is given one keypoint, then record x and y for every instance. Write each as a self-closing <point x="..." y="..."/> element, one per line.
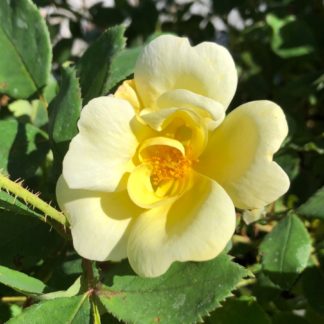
<point x="155" y="171"/>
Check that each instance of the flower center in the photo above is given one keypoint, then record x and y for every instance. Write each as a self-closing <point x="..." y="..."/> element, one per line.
<point x="167" y="163"/>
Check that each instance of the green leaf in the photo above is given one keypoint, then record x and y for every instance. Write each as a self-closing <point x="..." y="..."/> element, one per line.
<point x="313" y="207"/>
<point x="23" y="147"/>
<point x="61" y="310"/>
<point x="123" y="65"/>
<point x="73" y="290"/>
<point x="64" y="112"/>
<point x="184" y="294"/>
<point x="285" y="251"/>
<point x="313" y="287"/>
<point x="291" y="36"/>
<point x="25" y="51"/>
<point x="94" y="68"/>
<point x="21" y="282"/>
<point x="234" y="310"/>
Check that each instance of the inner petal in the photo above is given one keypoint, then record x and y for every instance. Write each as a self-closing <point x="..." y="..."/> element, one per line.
<point x="182" y="125"/>
<point x="167" y="162"/>
<point x="163" y="174"/>
<point x="211" y="111"/>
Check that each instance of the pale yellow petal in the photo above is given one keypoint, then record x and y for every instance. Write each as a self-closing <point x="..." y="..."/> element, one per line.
<point x="102" y="152"/>
<point x="169" y="63"/>
<point x="196" y="227"/>
<point x="221" y="71"/>
<point x="99" y="221"/>
<point x="239" y="154"/>
<point x="211" y="111"/>
<point x="141" y="191"/>
<point x="127" y="91"/>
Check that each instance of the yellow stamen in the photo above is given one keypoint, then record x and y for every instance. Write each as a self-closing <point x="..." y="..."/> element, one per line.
<point x="167" y="163"/>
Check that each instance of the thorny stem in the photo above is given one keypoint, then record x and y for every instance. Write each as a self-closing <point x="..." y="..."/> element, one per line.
<point x="30" y="198"/>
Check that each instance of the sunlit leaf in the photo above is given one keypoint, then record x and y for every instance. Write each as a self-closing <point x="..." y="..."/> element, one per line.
<point x="25" y="50"/>
<point x="95" y="77"/>
<point x="285" y="251"/>
<point x="184" y="294"/>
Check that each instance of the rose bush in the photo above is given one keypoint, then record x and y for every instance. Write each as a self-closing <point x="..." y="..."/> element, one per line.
<point x="156" y="171"/>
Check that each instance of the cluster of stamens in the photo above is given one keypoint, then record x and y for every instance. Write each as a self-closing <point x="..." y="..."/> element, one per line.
<point x="167" y="163"/>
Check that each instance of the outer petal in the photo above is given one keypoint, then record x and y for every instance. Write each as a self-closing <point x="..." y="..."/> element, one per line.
<point x="239" y="154"/>
<point x="102" y="151"/>
<point x="169" y="63"/>
<point x="196" y="227"/>
<point x="99" y="221"/>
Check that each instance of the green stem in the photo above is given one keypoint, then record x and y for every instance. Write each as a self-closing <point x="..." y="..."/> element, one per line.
<point x="30" y="198"/>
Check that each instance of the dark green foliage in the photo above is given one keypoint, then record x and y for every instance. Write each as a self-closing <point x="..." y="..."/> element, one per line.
<point x="23" y="148"/>
<point x="238" y="311"/>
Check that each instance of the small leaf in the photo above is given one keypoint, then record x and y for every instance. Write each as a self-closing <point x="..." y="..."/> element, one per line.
<point x="64" y="112"/>
<point x="313" y="207"/>
<point x="94" y="68"/>
<point x="23" y="147"/>
<point x="71" y="291"/>
<point x="234" y="310"/>
<point x="61" y="310"/>
<point x="25" y="51"/>
<point x="184" y="294"/>
<point x="285" y="251"/>
<point x="21" y="282"/>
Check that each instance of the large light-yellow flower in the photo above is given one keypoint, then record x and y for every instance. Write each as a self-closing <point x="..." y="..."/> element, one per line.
<point x="155" y="171"/>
